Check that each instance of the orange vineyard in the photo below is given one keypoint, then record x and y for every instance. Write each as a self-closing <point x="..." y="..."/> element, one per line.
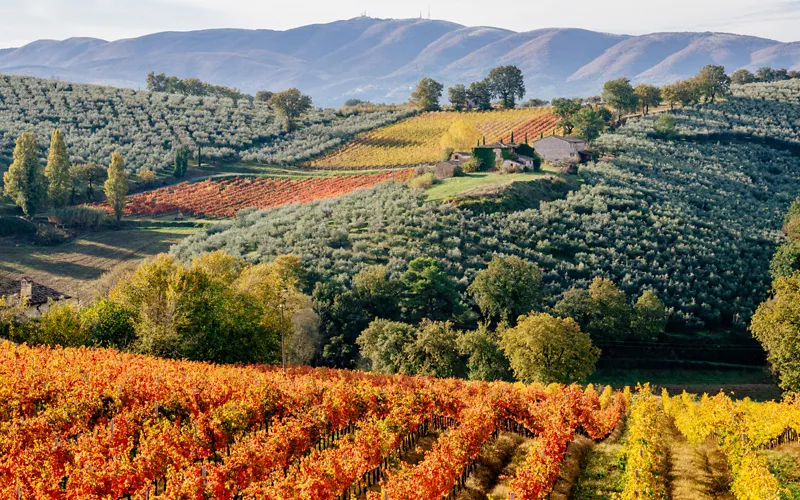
<point x="223" y="198"/>
<point x="84" y="423"/>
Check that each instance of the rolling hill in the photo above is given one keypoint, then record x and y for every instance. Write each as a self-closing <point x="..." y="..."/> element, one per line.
<point x="380" y="59"/>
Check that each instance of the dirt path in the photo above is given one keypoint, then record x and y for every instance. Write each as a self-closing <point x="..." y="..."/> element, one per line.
<point x="599" y="472"/>
<point x="571" y="467"/>
<point x="499" y="459"/>
<point x="696" y="472"/>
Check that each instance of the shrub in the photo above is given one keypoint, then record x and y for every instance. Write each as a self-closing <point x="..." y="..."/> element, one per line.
<point x="665" y="126"/>
<point x="107" y="324"/>
<point x="146" y="177"/>
<point x="78" y="217"/>
<point x="446" y="154"/>
<point x="48" y="234"/>
<point x="470" y="166"/>
<point x="60" y="325"/>
<point x="422" y="181"/>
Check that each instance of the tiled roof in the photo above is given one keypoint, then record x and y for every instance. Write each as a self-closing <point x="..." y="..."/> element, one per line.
<point x="39" y="293"/>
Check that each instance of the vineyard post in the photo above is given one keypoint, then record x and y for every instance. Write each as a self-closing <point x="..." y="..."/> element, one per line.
<point x="283" y="342"/>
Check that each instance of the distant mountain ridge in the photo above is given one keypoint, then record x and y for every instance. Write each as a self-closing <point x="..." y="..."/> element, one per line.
<point x="381" y="59"/>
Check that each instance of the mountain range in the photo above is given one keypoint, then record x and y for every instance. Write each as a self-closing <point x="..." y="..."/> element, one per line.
<point x="382" y="59"/>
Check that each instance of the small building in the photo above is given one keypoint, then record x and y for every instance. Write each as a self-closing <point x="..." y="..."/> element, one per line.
<point x="556" y="148"/>
<point x="36" y="296"/>
<point x="460" y="156"/>
<point x="445" y="170"/>
<point x="499" y="148"/>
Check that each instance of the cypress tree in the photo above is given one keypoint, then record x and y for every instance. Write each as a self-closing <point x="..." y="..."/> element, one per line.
<point x="116" y="186"/>
<point x="24" y="180"/>
<point x="57" y="170"/>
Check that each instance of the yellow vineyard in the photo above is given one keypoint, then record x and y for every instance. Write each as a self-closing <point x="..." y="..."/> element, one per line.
<point x="418" y="139"/>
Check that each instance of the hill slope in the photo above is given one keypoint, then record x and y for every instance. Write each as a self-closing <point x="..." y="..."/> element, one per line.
<point x="380" y="59"/>
<point x="696" y="219"/>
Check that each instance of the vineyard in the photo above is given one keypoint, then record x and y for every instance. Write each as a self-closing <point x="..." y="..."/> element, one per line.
<point x="417" y="140"/>
<point x="225" y="197"/>
<point x="83" y="423"/>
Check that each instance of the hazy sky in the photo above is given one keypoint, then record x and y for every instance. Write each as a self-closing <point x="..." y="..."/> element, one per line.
<point x="22" y="21"/>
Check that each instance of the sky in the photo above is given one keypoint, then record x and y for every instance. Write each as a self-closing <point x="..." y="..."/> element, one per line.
<point x="23" y="21"/>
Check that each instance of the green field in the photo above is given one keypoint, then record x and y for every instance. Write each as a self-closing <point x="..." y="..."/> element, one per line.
<point x="453" y="187"/>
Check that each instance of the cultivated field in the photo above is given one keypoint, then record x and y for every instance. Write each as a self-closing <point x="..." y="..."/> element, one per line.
<point x="417" y="140"/>
<point x="224" y="197"/>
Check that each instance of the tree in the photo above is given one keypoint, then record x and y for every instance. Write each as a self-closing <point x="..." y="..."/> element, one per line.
<point x="157" y="82"/>
<point x="480" y="95"/>
<point x="461" y="136"/>
<point x="181" y="162"/>
<point x="263" y="96"/>
<point x="786" y="260"/>
<point x="378" y="292"/>
<point x="647" y="95"/>
<point x="776" y="325"/>
<point x="546" y="349"/>
<point x="507" y="84"/>
<point x="588" y="124"/>
<point x="458" y="97"/>
<point x="619" y="95"/>
<point x="566" y="108"/>
<point x="290" y="104"/>
<point x="765" y="74"/>
<point x="116" y="185"/>
<point x="342" y="319"/>
<point x="485" y="359"/>
<point x="429" y="292"/>
<point x="610" y="313"/>
<point x="426" y="96"/>
<point x="712" y="81"/>
<point x="57" y="171"/>
<point x="742" y="77"/>
<point x="576" y="303"/>
<point x="649" y="316"/>
<point x="665" y="126"/>
<point x="24" y="181"/>
<point x="384" y="343"/>
<point x="88" y="176"/>
<point x="434" y="352"/>
<point x="508" y="288"/>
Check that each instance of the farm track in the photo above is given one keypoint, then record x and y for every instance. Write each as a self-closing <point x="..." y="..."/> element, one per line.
<point x="696" y="472"/>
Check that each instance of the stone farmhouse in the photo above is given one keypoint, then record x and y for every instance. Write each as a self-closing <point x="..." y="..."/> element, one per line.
<point x="557" y="149"/>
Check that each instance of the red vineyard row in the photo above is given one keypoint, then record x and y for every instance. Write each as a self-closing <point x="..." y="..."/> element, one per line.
<point x="225" y="197"/>
<point x="94" y="423"/>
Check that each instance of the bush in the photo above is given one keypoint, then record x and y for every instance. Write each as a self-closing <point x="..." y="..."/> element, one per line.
<point x="78" y="217"/>
<point x="423" y="181"/>
<point x="146" y="177"/>
<point x="665" y="126"/>
<point x="48" y="234"/>
<point x="107" y="324"/>
<point x="60" y="325"/>
<point x="470" y="166"/>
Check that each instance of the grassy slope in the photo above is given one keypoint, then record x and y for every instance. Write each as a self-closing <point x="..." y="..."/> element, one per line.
<point x="75" y="266"/>
<point x="450" y="188"/>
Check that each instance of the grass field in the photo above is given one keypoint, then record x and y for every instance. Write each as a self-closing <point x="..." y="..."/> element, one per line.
<point x="454" y="186"/>
<point x="75" y="266"/>
<point x="417" y="139"/>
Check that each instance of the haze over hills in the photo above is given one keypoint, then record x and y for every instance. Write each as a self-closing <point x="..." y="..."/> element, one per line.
<point x="381" y="59"/>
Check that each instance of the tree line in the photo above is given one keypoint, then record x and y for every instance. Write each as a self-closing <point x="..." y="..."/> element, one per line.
<point x="505" y="83"/>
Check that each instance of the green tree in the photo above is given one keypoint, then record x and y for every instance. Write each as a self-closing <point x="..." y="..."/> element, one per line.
<point x="24" y="181"/>
<point x="378" y="292"/>
<point x="619" y="94"/>
<point x="786" y="260"/>
<point x="566" y="108"/>
<point x="546" y="349"/>
<point x="429" y="292"/>
<point x="575" y="303"/>
<point x="776" y="325"/>
<point x="742" y="77"/>
<point x="480" y="95"/>
<point x="107" y="324"/>
<point x="588" y="124"/>
<point x="485" y="359"/>
<point x="649" y="316"/>
<point x="712" y="81"/>
<point x="434" y="352"/>
<point x="157" y="82"/>
<point x="665" y="126"/>
<point x="181" y="162"/>
<point x="647" y="96"/>
<point x="342" y="319"/>
<point x="458" y="97"/>
<point x="263" y="96"/>
<point x="86" y="177"/>
<point x="290" y="104"/>
<point x="57" y="171"/>
<point x="507" y="84"/>
<point x="508" y="288"/>
<point x="765" y="74"/>
<point x="116" y="185"/>
<point x="610" y="313"/>
<point x="426" y="96"/>
<point x="384" y="345"/>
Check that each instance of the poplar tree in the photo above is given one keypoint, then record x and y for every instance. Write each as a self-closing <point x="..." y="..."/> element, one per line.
<point x="57" y="170"/>
<point x="116" y="186"/>
<point x="24" y="180"/>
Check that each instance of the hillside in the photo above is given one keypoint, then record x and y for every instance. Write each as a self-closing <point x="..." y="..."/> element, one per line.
<point x="695" y="218"/>
<point x="145" y="126"/>
<point x="380" y="59"/>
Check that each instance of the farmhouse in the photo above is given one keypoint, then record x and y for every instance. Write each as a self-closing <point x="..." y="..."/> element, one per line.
<point x="36" y="296"/>
<point x="460" y="156"/>
<point x="556" y="148"/>
<point x="508" y="155"/>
